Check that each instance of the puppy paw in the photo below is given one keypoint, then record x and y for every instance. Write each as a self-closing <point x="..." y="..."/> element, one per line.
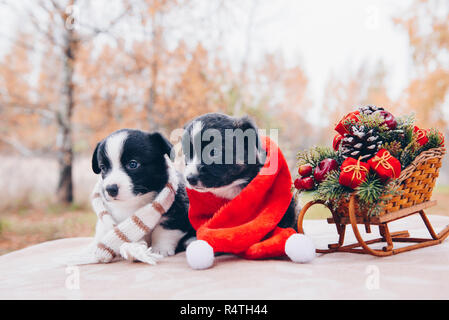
<point x="164" y="249"/>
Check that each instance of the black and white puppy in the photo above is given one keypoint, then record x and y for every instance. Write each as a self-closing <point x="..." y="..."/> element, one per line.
<point x="227" y="171"/>
<point x="132" y="171"/>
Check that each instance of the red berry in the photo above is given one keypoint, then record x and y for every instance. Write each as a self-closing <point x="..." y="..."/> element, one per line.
<point x="323" y="169"/>
<point x="305" y="170"/>
<point x="307" y="183"/>
<point x="298" y="184"/>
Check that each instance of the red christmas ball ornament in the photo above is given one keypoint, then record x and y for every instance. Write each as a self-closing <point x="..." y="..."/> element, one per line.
<point x="353" y="172"/>
<point x="305" y="170"/>
<point x="421" y="135"/>
<point x="337" y="141"/>
<point x="389" y="119"/>
<point x="385" y="165"/>
<point x="341" y="128"/>
<point x="323" y="168"/>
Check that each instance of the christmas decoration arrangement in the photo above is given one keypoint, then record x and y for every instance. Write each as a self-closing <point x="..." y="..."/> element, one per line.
<point x="371" y="154"/>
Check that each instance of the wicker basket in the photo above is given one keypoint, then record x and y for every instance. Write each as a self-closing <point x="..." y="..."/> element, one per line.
<point x="416" y="184"/>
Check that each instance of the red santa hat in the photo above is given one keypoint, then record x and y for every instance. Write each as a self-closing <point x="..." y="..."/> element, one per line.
<point x="248" y="224"/>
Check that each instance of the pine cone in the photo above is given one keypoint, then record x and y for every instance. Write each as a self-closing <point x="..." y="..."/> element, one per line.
<point x="369" y="110"/>
<point x="360" y="144"/>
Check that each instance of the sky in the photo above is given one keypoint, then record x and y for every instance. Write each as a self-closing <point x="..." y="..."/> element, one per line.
<point x="333" y="37"/>
<point x="323" y="36"/>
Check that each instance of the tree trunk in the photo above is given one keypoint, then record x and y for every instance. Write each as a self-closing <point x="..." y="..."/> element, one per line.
<point x="151" y="115"/>
<point x="64" y="121"/>
<point x="151" y="121"/>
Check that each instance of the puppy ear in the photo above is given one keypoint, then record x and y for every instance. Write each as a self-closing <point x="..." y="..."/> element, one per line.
<point x="162" y="142"/>
<point x="95" y="166"/>
<point x="246" y="123"/>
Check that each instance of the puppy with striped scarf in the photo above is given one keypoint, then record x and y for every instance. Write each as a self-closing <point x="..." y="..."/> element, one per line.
<point x="139" y="199"/>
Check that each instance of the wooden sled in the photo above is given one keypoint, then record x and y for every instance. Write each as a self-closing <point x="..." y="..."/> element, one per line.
<point x="382" y="222"/>
<point x="415" y="183"/>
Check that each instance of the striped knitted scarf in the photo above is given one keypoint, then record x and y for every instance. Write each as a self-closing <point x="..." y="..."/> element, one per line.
<point x="126" y="238"/>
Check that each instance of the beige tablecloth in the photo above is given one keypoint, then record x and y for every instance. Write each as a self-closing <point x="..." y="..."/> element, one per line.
<point x="37" y="273"/>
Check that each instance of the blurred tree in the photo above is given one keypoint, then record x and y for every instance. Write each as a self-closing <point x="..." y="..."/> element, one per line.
<point x="54" y="26"/>
<point x="80" y="76"/>
<point x="64" y="142"/>
<point x="14" y="105"/>
<point x="196" y="91"/>
<point x="152" y="52"/>
<point x="427" y="25"/>
<point x="276" y="96"/>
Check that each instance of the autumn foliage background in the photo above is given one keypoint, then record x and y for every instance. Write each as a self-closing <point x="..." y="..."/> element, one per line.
<point x="72" y="71"/>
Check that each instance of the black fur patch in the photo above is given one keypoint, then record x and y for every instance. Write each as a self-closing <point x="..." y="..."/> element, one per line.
<point x="221" y="171"/>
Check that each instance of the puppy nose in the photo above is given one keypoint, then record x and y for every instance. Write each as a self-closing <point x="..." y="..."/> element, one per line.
<point x="192" y="179"/>
<point x="112" y="190"/>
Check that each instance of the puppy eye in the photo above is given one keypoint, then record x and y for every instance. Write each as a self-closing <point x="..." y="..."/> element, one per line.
<point x="102" y="167"/>
<point x="133" y="164"/>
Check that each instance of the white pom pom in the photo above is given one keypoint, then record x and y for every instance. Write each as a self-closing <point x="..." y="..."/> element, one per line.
<point x="200" y="255"/>
<point x="300" y="248"/>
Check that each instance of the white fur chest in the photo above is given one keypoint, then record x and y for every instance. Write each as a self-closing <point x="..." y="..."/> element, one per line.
<point x="230" y="191"/>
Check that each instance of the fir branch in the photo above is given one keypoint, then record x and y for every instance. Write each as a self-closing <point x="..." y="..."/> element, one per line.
<point x="331" y="189"/>
<point x="373" y="194"/>
<point x="409" y="154"/>
<point x="435" y="140"/>
<point x="414" y="148"/>
<point x="407" y="120"/>
<point x="390" y="190"/>
<point x="406" y="123"/>
<point x="370" y="190"/>
<point x="408" y="135"/>
<point x="372" y="121"/>
<point x="394" y="147"/>
<point x="315" y="155"/>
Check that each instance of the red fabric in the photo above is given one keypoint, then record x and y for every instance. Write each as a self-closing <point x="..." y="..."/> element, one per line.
<point x="353" y="172"/>
<point x="247" y="224"/>
<point x="385" y="165"/>
<point x="341" y="128"/>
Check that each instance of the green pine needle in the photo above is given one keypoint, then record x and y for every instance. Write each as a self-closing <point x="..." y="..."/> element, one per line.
<point x="373" y="121"/>
<point x="331" y="189"/>
<point x="394" y="147"/>
<point x="434" y="140"/>
<point x="315" y="155"/>
<point x="407" y="120"/>
<point x="370" y="190"/>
